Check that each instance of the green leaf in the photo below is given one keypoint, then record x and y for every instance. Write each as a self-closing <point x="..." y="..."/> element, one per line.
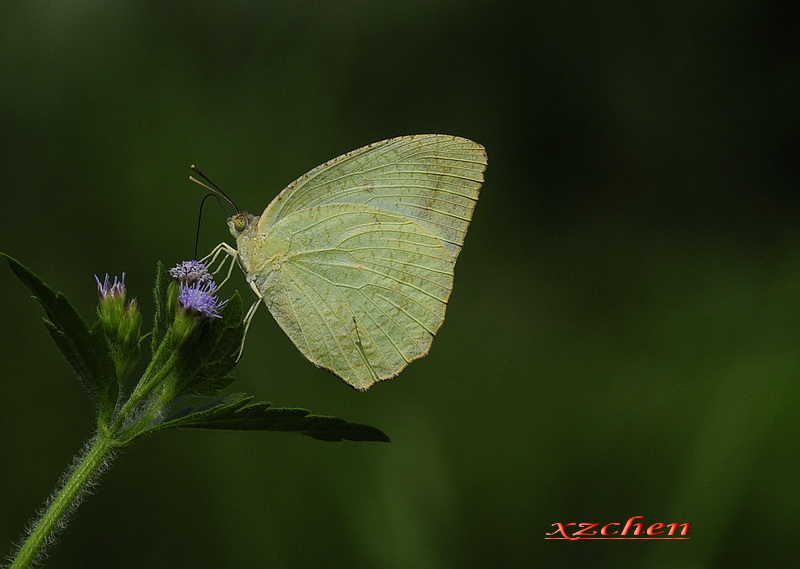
<point x="85" y="349"/>
<point x="188" y="415"/>
<point x="213" y="385"/>
<point x="205" y="366"/>
<point x="162" y="319"/>
<point x="236" y="413"/>
<point x="72" y="355"/>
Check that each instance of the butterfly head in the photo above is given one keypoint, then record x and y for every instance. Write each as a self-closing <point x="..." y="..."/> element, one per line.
<point x="240" y="222"/>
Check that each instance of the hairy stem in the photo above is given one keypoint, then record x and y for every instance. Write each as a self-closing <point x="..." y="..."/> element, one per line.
<point x="160" y="367"/>
<point x="76" y="482"/>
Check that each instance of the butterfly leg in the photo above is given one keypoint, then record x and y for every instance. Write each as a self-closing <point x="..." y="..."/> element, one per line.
<point x="230" y="255"/>
<point x="248" y="318"/>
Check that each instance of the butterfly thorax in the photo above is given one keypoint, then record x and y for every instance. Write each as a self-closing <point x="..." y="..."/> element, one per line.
<point x="244" y="227"/>
<point x="255" y="255"/>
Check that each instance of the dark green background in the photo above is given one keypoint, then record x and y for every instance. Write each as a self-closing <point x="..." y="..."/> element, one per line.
<point x="623" y="337"/>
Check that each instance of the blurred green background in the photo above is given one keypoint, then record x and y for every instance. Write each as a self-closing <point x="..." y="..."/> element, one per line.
<point x="622" y="338"/>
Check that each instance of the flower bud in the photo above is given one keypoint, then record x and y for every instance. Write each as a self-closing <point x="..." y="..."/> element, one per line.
<point x="111" y="308"/>
<point x="184" y="327"/>
<point x="121" y="322"/>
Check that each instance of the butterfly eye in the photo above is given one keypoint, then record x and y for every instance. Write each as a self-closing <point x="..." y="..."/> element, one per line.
<point x="239" y="223"/>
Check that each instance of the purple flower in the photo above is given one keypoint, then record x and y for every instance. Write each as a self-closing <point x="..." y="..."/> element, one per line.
<point x="190" y="272"/>
<point x="121" y="321"/>
<point x="107" y="289"/>
<point x="199" y="298"/>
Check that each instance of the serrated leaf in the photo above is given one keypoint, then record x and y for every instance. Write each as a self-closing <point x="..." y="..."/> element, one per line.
<point x="209" y="359"/>
<point x="263" y="417"/>
<point x="214" y="385"/>
<point x="162" y="319"/>
<point x="69" y="350"/>
<point x="86" y="350"/>
<point x="236" y="413"/>
<point x="188" y="415"/>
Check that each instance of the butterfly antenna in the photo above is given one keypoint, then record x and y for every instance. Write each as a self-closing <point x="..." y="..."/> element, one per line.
<point x="213" y="188"/>
<point x="200" y="217"/>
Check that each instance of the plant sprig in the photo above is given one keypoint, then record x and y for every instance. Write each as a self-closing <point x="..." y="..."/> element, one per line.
<point x="195" y="341"/>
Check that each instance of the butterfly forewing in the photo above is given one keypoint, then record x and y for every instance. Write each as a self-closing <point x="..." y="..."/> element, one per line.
<point x="430" y="179"/>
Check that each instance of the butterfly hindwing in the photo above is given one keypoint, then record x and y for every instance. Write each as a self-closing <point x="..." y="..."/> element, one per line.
<point x="360" y="291"/>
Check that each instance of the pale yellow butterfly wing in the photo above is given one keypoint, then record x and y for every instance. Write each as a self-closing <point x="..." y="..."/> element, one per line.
<point x="360" y="291"/>
<point x="431" y="179"/>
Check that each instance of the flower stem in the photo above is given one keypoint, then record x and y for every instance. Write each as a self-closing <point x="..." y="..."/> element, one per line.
<point x="77" y="481"/>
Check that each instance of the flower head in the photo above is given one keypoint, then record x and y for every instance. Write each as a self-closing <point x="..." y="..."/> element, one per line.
<point x="190" y="272"/>
<point x="200" y="298"/>
<point x="121" y="322"/>
<point x="191" y="298"/>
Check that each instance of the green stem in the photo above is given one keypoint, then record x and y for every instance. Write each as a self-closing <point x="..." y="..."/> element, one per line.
<point x="163" y="363"/>
<point x="100" y="450"/>
<point x="65" y="500"/>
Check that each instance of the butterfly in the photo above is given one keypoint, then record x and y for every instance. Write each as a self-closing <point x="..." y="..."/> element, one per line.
<point x="355" y="259"/>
